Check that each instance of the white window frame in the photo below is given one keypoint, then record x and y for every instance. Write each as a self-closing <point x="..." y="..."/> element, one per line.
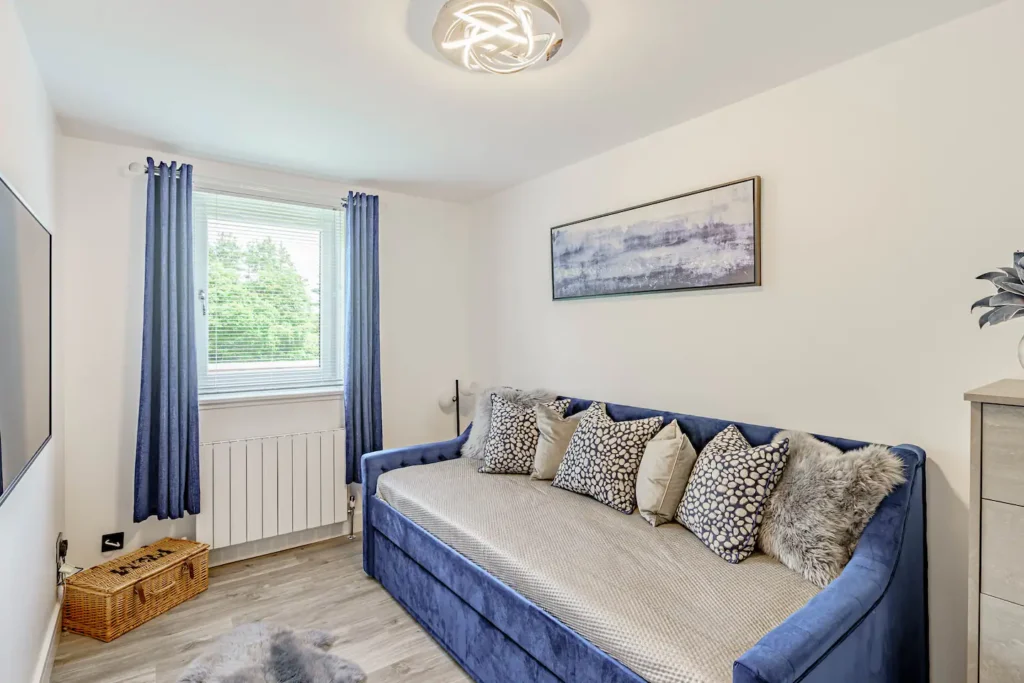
<point x="287" y="384"/>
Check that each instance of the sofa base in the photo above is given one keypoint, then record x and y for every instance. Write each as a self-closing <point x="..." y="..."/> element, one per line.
<point x="484" y="652"/>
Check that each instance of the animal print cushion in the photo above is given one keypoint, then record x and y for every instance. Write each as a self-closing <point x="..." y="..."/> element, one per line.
<point x="512" y="439"/>
<point x="727" y="492"/>
<point x="603" y="457"/>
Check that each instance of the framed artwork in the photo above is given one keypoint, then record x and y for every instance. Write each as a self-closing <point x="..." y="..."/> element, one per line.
<point x="706" y="239"/>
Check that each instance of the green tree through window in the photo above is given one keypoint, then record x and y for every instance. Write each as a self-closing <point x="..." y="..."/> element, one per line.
<point x="260" y="307"/>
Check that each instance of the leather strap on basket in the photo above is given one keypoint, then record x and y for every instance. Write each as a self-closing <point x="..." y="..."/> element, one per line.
<point x="187" y="565"/>
<point x="141" y="592"/>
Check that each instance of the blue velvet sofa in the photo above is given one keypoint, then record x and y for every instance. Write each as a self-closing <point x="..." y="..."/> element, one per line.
<point x="870" y="624"/>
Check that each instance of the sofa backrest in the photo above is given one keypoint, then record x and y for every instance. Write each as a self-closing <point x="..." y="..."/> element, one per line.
<point x="700" y="430"/>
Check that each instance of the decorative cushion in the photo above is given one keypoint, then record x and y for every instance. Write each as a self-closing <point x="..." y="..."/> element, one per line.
<point x="603" y="457"/>
<point x="512" y="440"/>
<point x="664" y="472"/>
<point x="477" y="439"/>
<point x="555" y="433"/>
<point x="826" y="497"/>
<point x="727" y="491"/>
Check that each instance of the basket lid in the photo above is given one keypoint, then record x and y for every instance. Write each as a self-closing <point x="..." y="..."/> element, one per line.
<point x="127" y="570"/>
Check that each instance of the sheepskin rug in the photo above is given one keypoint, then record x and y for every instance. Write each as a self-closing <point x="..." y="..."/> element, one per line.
<point x="264" y="653"/>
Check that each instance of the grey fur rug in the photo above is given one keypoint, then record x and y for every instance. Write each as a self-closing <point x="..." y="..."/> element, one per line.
<point x="264" y="653"/>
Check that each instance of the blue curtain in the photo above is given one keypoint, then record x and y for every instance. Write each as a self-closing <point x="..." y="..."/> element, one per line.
<point x="167" y="448"/>
<point x="363" y="428"/>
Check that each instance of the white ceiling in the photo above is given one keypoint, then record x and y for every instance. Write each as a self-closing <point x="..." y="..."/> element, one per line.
<point x="352" y="89"/>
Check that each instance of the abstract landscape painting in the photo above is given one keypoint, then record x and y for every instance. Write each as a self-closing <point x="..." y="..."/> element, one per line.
<point x="708" y="238"/>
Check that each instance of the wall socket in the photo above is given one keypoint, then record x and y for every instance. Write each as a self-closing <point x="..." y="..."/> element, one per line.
<point x="61" y="556"/>
<point x="112" y="542"/>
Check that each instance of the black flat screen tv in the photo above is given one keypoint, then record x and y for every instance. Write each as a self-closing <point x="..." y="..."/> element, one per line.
<point x="25" y="338"/>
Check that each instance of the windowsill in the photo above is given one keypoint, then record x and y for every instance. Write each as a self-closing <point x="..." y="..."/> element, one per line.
<point x="278" y="396"/>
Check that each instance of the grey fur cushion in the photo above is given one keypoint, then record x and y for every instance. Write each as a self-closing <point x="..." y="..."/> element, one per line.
<point x="826" y="497"/>
<point x="264" y="653"/>
<point x="477" y="440"/>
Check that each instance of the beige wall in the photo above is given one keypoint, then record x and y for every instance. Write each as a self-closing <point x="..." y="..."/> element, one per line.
<point x="890" y="181"/>
<point x="424" y="248"/>
<point x="33" y="513"/>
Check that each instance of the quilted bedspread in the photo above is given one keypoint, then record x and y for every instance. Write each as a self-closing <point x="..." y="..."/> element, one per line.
<point x="653" y="598"/>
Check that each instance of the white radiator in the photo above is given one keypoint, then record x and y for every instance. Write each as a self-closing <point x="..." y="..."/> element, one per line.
<point x="254" y="489"/>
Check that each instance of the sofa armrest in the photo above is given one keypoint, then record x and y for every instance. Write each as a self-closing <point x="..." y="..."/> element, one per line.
<point x="376" y="464"/>
<point x="891" y="551"/>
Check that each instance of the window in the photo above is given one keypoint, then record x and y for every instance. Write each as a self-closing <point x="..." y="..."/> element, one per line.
<point x="268" y="282"/>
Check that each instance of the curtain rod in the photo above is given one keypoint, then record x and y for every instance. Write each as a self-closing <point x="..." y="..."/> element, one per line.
<point x="143" y="169"/>
<point x="136" y="167"/>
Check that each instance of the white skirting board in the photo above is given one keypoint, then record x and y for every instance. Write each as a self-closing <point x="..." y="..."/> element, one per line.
<point x="44" y="668"/>
<point x="257" y="489"/>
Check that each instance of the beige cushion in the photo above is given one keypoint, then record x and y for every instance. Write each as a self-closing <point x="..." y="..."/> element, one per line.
<point x="664" y="471"/>
<point x="555" y="433"/>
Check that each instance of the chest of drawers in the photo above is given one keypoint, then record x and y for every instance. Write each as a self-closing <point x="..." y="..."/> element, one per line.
<point x="995" y="598"/>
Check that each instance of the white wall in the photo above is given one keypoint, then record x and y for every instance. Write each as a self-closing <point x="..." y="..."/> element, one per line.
<point x="424" y="248"/>
<point x="33" y="514"/>
<point x="890" y="181"/>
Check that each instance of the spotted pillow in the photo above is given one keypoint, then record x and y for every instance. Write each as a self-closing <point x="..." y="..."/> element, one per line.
<point x="512" y="439"/>
<point x="728" y="488"/>
<point x="604" y="456"/>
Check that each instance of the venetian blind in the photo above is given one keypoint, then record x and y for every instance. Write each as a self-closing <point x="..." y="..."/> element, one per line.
<point x="268" y="283"/>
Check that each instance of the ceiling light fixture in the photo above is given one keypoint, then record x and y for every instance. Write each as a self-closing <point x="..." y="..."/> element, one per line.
<point x="500" y="36"/>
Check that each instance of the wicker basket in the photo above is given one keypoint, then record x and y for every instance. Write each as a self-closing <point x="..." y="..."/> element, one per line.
<point x="109" y="600"/>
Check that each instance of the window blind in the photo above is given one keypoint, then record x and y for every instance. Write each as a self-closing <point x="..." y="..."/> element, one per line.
<point x="268" y="282"/>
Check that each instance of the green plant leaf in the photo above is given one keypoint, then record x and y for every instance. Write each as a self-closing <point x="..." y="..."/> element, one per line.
<point x="1000" y="315"/>
<point x="1008" y="285"/>
<point x="1012" y="272"/>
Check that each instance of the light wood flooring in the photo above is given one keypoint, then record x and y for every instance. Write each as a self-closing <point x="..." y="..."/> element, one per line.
<point x="319" y="586"/>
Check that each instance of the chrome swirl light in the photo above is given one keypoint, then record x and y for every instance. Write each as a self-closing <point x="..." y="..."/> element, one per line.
<point x="499" y="36"/>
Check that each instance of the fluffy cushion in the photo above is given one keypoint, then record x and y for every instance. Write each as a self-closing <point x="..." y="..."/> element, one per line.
<point x="727" y="491"/>
<point x="825" y="499"/>
<point x="555" y="433"/>
<point x="603" y="457"/>
<point x="664" y="470"/>
<point x="512" y="440"/>
<point x="477" y="440"/>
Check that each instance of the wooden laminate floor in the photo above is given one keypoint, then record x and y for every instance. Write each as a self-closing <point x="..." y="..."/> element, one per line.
<point x="319" y="586"/>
